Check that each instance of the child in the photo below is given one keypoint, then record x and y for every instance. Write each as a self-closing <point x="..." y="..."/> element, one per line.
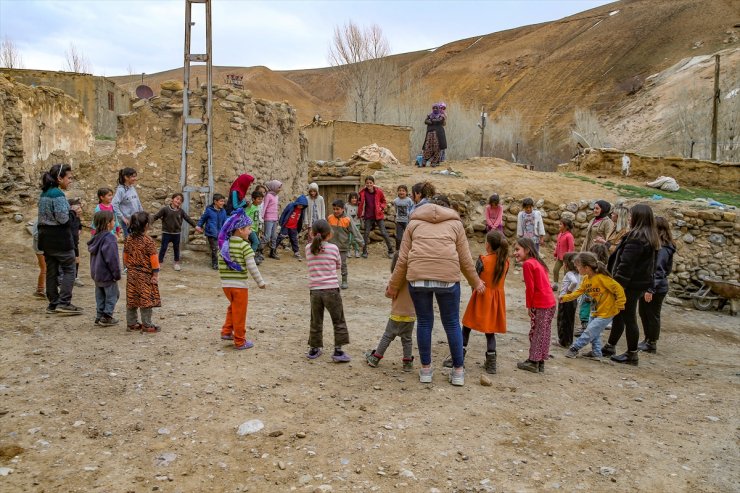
<point x="253" y="212"/>
<point x="213" y="219"/>
<point x="172" y="217"/>
<point x="486" y="312"/>
<point x="539" y="301"/>
<point x="652" y="301"/>
<point x="607" y="300"/>
<point x="105" y="197"/>
<point x="494" y="214"/>
<point x="403" y="205"/>
<point x="126" y="201"/>
<point x="75" y="224"/>
<point x="371" y="209"/>
<point x="567" y="309"/>
<point x="564" y="244"/>
<point x="105" y="267"/>
<point x="323" y="262"/>
<point x="400" y="324"/>
<point x="584" y="312"/>
<point x="316" y="208"/>
<point x="238" y="198"/>
<point x="236" y="258"/>
<point x="350" y="208"/>
<point x="270" y="215"/>
<point x="142" y="281"/>
<point x="529" y="223"/>
<point x="41" y="281"/>
<point x="291" y="222"/>
<point x="342" y="230"/>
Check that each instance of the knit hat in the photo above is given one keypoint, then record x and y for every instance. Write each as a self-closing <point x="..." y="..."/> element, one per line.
<point x="313" y="186"/>
<point x="237" y="220"/>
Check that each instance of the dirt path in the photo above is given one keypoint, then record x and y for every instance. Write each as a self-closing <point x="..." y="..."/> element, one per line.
<point x="99" y="409"/>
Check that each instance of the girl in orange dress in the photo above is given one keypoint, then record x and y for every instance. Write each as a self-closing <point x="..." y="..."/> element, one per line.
<point x="486" y="312"/>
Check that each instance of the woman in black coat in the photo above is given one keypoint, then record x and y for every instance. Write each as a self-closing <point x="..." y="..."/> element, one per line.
<point x="632" y="265"/>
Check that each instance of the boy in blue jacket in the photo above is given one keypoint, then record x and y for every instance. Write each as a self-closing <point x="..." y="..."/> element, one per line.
<point x="291" y="222"/>
<point x="213" y="218"/>
<point x="105" y="268"/>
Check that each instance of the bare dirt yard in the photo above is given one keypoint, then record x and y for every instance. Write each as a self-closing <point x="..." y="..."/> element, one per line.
<point x="84" y="408"/>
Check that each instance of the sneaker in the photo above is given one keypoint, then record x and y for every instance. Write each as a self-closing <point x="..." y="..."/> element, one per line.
<point x="177" y="266"/>
<point x="107" y="321"/>
<point x="591" y="355"/>
<point x="39" y="294"/>
<point x="97" y="321"/>
<point x="364" y="255"/>
<point x="313" y="353"/>
<point x="69" y="310"/>
<point x="571" y="353"/>
<point x="134" y="328"/>
<point x="297" y="256"/>
<point x="340" y="357"/>
<point x="51" y="309"/>
<point x="150" y="328"/>
<point x="214" y="266"/>
<point x="357" y="254"/>
<point x="246" y="345"/>
<point x="408" y="364"/>
<point x="344" y="285"/>
<point x="425" y="375"/>
<point x="79" y="283"/>
<point x="372" y="358"/>
<point x="227" y="337"/>
<point x="457" y="378"/>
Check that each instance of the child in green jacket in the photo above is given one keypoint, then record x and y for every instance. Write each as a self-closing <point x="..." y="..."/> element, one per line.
<point x="253" y="212"/>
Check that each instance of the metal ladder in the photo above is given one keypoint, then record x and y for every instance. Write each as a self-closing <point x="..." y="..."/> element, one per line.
<point x="188" y="120"/>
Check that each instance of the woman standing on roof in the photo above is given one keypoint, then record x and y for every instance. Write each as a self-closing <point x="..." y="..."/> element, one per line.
<point x="435" y="141"/>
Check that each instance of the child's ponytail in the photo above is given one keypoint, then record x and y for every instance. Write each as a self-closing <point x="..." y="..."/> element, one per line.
<point x="531" y="250"/>
<point x="500" y="247"/>
<point x="321" y="231"/>
<point x="588" y="259"/>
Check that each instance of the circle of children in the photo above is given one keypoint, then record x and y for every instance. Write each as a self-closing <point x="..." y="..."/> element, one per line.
<point x="624" y="262"/>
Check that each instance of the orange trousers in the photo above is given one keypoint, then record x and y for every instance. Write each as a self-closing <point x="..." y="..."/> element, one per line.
<point x="236" y="315"/>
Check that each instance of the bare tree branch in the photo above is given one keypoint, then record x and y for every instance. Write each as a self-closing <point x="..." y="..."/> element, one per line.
<point x="76" y="61"/>
<point x="10" y="56"/>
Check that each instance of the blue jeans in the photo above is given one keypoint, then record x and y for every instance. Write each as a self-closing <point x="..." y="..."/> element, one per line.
<point x="270" y="235"/>
<point x="448" y="300"/>
<point x="592" y="335"/>
<point x="106" y="298"/>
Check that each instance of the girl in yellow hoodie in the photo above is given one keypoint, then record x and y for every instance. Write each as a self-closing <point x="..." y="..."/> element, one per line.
<point x="608" y="300"/>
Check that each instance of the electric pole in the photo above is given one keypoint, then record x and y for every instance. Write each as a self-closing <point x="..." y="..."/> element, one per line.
<point x="482" y="126"/>
<point x="715" y="107"/>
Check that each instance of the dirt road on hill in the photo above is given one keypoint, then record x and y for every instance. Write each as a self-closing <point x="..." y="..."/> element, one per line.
<point x="84" y="408"/>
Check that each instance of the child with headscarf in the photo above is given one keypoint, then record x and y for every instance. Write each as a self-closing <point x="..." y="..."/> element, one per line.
<point x="316" y="208"/>
<point x="235" y="259"/>
<point x="270" y="216"/>
<point x="238" y="197"/>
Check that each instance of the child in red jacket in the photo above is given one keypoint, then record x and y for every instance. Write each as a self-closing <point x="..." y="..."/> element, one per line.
<point x="564" y="244"/>
<point x="540" y="302"/>
<point x="371" y="209"/>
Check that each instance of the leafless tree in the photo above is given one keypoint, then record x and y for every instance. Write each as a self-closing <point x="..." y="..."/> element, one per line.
<point x="76" y="61"/>
<point x="588" y="131"/>
<point x="10" y="56"/>
<point x="359" y="56"/>
<point x="508" y="136"/>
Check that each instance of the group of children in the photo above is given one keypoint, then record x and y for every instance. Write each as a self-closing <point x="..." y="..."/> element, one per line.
<point x="237" y="241"/>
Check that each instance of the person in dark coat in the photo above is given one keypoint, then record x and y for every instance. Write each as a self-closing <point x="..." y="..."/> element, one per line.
<point x="291" y="223"/>
<point x="632" y="265"/>
<point x="105" y="267"/>
<point x="435" y="141"/>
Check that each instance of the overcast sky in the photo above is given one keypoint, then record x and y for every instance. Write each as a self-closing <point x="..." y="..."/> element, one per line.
<point x="147" y="35"/>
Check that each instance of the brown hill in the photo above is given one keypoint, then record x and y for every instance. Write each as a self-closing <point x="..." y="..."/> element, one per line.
<point x="542" y="71"/>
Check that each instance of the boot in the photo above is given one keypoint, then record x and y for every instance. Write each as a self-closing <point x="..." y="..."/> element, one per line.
<point x="533" y="366"/>
<point x="447" y="363"/>
<point x="608" y="350"/>
<point x="648" y="346"/>
<point x="629" y="357"/>
<point x="344" y="282"/>
<point x="273" y="254"/>
<point x="490" y="364"/>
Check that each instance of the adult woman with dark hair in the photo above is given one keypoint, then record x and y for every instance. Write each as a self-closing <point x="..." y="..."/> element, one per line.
<point x="600" y="226"/>
<point x="620" y="216"/>
<point x="435" y="140"/>
<point x="421" y="193"/>
<point x="652" y="301"/>
<point x="56" y="241"/>
<point x="632" y="265"/>
<point x="433" y="253"/>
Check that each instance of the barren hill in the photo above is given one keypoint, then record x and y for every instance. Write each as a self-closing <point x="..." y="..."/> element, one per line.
<point x="593" y="60"/>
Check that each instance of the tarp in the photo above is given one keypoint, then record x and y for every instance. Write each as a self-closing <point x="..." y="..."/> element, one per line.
<point x="373" y="153"/>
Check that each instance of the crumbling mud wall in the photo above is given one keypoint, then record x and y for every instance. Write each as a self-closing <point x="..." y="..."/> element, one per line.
<point x="688" y="172"/>
<point x="35" y="123"/>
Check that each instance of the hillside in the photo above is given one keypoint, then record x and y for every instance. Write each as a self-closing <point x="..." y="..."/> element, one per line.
<point x="541" y="71"/>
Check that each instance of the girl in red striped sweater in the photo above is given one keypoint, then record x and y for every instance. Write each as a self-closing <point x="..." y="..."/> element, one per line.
<point x="323" y="261"/>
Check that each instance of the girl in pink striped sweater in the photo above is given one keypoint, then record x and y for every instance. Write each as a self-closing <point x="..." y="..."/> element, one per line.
<point x="323" y="261"/>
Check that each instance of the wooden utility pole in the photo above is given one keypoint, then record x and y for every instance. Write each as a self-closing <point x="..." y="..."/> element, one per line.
<point x="482" y="126"/>
<point x="715" y="107"/>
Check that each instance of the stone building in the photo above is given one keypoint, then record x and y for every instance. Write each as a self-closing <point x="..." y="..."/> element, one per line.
<point x="101" y="99"/>
<point x="338" y="139"/>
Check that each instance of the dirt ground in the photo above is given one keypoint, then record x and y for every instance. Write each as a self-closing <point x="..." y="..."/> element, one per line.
<point x="85" y="408"/>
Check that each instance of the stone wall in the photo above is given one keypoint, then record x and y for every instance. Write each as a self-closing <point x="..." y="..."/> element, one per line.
<point x="340" y="139"/>
<point x="688" y="172"/>
<point x="35" y="125"/>
<point x="89" y="90"/>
